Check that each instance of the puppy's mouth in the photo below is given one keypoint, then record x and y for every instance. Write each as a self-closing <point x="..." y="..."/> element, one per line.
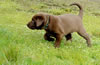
<point x="30" y="27"/>
<point x="35" y="27"/>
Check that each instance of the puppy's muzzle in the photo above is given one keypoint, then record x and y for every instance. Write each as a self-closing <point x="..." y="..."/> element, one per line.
<point x="29" y="26"/>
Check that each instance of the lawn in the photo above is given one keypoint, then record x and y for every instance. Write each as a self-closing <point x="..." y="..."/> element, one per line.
<point x="21" y="46"/>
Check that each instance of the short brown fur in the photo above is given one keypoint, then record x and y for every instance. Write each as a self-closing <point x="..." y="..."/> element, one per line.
<point x="60" y="26"/>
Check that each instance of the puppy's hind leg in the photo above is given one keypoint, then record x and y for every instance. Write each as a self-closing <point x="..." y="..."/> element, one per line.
<point x="86" y="37"/>
<point x="69" y="37"/>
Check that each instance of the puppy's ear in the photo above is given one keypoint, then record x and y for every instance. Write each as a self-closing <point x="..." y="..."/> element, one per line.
<point x="39" y="23"/>
<point x="39" y="20"/>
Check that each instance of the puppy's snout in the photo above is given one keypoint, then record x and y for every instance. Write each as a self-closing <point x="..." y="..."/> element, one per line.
<point x="27" y="25"/>
<point x="30" y="26"/>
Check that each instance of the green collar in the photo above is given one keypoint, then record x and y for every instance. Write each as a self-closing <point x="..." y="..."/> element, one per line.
<point x="48" y="21"/>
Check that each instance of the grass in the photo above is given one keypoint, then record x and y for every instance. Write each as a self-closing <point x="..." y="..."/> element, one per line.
<point x="22" y="46"/>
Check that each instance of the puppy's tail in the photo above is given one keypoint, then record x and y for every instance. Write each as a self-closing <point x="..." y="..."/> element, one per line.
<point x="80" y="7"/>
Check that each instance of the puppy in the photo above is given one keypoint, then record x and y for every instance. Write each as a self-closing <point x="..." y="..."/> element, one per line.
<point x="60" y="26"/>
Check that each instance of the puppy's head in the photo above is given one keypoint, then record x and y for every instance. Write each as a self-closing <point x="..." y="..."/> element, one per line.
<point x="38" y="21"/>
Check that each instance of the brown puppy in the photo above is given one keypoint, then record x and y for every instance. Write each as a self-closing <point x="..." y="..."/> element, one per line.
<point x="59" y="26"/>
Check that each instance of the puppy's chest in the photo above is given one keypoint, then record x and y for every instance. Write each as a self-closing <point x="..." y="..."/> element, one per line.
<point x="51" y="32"/>
<point x="50" y="29"/>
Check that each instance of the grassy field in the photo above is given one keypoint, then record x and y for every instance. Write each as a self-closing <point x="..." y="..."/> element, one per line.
<point x="22" y="46"/>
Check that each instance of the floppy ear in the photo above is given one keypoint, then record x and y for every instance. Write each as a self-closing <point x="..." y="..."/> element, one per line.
<point x="39" y="21"/>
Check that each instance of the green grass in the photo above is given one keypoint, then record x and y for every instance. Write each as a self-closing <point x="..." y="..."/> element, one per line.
<point x="22" y="46"/>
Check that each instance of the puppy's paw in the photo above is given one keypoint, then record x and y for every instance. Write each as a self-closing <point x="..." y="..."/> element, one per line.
<point x="50" y="39"/>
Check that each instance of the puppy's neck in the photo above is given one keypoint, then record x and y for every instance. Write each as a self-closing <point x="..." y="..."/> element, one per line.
<point x="47" y="23"/>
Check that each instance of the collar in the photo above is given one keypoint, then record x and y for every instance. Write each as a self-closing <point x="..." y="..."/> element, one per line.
<point x="48" y="21"/>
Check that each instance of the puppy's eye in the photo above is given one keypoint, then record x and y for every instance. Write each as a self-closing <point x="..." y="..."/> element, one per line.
<point x="32" y="19"/>
<point x="40" y="17"/>
<point x="33" y="22"/>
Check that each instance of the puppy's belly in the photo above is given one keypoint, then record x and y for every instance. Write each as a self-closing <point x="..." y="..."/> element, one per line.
<point x="70" y="30"/>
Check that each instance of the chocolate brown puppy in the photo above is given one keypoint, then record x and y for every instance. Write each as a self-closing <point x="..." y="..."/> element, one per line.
<point x="60" y="26"/>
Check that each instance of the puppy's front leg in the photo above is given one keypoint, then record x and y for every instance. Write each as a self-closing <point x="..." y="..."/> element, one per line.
<point x="47" y="37"/>
<point x="58" y="40"/>
<point x="69" y="37"/>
